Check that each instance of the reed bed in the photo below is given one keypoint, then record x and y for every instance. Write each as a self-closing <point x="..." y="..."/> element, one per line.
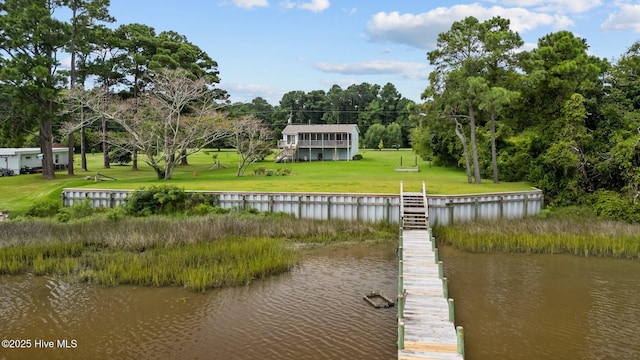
<point x="553" y="236"/>
<point x="197" y="253"/>
<point x="141" y="233"/>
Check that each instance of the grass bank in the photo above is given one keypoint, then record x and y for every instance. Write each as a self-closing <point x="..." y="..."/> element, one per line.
<point x="375" y="173"/>
<point x="197" y="253"/>
<point x="586" y="237"/>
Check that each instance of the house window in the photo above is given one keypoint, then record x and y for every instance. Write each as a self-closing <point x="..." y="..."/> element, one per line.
<point x="57" y="158"/>
<point x="27" y="157"/>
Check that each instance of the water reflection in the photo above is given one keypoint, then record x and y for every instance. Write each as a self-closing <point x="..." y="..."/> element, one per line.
<point x="545" y="306"/>
<point x="314" y="312"/>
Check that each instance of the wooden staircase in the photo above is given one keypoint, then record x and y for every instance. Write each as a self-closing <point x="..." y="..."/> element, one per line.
<point x="288" y="152"/>
<point x="415" y="215"/>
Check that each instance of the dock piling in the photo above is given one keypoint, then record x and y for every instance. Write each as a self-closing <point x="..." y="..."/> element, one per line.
<point x="426" y="328"/>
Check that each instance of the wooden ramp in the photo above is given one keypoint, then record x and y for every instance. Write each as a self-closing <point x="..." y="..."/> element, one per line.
<point x="425" y="314"/>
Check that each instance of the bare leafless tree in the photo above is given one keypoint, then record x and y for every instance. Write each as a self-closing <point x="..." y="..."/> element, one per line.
<point x="177" y="117"/>
<point x="252" y="139"/>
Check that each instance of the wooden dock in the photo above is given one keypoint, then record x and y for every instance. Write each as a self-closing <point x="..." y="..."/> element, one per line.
<point x="426" y="327"/>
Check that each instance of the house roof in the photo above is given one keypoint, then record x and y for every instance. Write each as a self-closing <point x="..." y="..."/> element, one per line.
<point x="320" y="128"/>
<point x="14" y="151"/>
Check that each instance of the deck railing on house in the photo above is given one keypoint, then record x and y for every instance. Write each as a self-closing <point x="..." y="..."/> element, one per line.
<point x="324" y="143"/>
<point x="282" y="144"/>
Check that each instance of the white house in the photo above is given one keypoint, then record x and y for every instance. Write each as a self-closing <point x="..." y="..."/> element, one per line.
<point x="17" y="159"/>
<point x="318" y="142"/>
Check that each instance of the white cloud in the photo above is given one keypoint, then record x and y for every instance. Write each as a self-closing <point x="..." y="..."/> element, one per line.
<point x="555" y="6"/>
<point x="422" y="30"/>
<point x="408" y="70"/>
<point x="249" y="4"/>
<point x="628" y="18"/>
<point x="350" y="11"/>
<point x="313" y="5"/>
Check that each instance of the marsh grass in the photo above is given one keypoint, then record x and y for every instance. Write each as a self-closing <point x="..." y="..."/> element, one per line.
<point x="140" y="233"/>
<point x="197" y="252"/>
<point x="553" y="236"/>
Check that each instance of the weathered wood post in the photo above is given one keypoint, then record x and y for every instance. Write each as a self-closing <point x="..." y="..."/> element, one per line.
<point x="435" y="255"/>
<point x="445" y="287"/>
<point x="400" y="335"/>
<point x="476" y="209"/>
<point x="460" y="333"/>
<point x="440" y="269"/>
<point x="451" y="311"/>
<point x="271" y="203"/>
<point x="388" y="209"/>
<point x="328" y="207"/>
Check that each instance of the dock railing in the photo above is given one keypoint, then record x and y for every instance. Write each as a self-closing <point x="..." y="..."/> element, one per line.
<point x="426" y="319"/>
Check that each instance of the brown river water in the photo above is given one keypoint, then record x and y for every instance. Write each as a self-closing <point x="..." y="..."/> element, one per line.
<point x="314" y="312"/>
<point x="516" y="306"/>
<point x="511" y="306"/>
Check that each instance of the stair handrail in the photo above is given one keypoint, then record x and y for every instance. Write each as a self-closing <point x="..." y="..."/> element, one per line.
<point x="401" y="203"/>
<point x="424" y="198"/>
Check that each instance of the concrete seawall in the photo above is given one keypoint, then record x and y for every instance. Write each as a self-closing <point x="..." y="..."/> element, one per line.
<point x="444" y="209"/>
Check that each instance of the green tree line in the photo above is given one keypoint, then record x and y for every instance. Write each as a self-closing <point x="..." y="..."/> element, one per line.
<point x="556" y="116"/>
<point x="380" y="112"/>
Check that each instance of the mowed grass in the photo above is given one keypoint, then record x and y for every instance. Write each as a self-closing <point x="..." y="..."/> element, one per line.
<point x="375" y="173"/>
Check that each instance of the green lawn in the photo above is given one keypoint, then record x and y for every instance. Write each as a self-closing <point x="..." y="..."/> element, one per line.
<point x="375" y="173"/>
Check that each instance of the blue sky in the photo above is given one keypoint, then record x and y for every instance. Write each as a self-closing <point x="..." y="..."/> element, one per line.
<point x="269" y="47"/>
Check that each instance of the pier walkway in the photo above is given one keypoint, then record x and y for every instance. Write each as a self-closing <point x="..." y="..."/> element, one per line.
<point x="426" y="327"/>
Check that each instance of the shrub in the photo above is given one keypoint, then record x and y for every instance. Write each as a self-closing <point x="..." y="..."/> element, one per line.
<point x="259" y="171"/>
<point x="157" y="200"/>
<point x="44" y="208"/>
<point x="63" y="215"/>
<point x="116" y="214"/>
<point x="201" y="209"/>
<point x="195" y="199"/>
<point x="81" y="209"/>
<point x="119" y="156"/>
<point x="357" y="157"/>
<point x="610" y="205"/>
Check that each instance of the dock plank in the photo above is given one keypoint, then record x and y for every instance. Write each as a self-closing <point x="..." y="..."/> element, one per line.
<point x="428" y="333"/>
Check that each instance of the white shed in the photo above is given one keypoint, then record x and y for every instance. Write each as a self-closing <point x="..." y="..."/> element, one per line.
<point x="17" y="159"/>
